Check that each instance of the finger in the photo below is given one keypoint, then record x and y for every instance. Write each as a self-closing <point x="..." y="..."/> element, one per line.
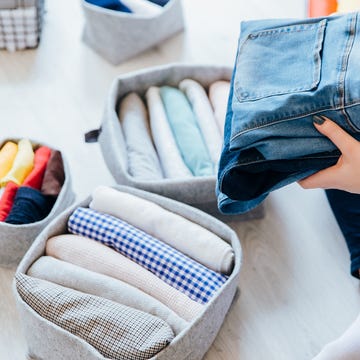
<point x="324" y="179"/>
<point x="342" y="140"/>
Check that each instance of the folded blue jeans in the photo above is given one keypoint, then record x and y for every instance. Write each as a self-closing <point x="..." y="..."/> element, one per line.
<point x="287" y="71"/>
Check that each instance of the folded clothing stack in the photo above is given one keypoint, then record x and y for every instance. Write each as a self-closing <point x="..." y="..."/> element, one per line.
<point x="178" y="133"/>
<point x="128" y="277"/>
<point x="20" y="24"/>
<point x="31" y="181"/>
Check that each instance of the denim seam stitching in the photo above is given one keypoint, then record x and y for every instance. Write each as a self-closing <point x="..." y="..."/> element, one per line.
<point x="295" y="117"/>
<point x="344" y="66"/>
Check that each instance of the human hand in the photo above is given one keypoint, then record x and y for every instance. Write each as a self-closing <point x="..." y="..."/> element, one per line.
<point x="345" y="174"/>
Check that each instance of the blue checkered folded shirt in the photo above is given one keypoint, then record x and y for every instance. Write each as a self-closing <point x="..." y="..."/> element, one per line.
<point x="176" y="269"/>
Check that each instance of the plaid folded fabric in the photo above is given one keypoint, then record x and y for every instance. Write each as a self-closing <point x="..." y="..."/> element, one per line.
<point x="116" y="331"/>
<point x="176" y="269"/>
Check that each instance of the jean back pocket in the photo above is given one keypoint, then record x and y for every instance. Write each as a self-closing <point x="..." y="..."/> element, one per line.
<point x="279" y="61"/>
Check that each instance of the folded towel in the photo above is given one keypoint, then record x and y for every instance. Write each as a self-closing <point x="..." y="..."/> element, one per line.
<point x="54" y="176"/>
<point x="7" y="199"/>
<point x="94" y="256"/>
<point x="143" y="7"/>
<point x="218" y="95"/>
<point x="204" y="115"/>
<point x="22" y="165"/>
<point x="41" y="158"/>
<point x="116" y="331"/>
<point x="176" y="269"/>
<point x="93" y="283"/>
<point x="171" y="161"/>
<point x="7" y="156"/>
<point x="190" y="238"/>
<point x="30" y="205"/>
<point x="110" y="4"/>
<point x="186" y="132"/>
<point x="143" y="162"/>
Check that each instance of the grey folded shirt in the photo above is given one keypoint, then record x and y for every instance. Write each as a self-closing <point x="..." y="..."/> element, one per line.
<point x="116" y="331"/>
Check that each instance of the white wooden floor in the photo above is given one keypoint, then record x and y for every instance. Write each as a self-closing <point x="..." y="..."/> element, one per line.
<point x="296" y="291"/>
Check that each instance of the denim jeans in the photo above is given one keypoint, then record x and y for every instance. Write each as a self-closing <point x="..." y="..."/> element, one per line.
<point x="286" y="72"/>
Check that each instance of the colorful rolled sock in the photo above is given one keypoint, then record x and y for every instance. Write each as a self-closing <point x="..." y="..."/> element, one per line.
<point x="170" y="265"/>
<point x="30" y="206"/>
<point x="23" y="164"/>
<point x="186" y="132"/>
<point x="41" y="158"/>
<point x="54" y="175"/>
<point x="7" y="199"/>
<point x="7" y="156"/>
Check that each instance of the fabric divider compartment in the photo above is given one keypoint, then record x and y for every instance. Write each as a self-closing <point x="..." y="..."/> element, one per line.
<point x="15" y="239"/>
<point x="197" y="191"/>
<point x="118" y="36"/>
<point x="49" y="341"/>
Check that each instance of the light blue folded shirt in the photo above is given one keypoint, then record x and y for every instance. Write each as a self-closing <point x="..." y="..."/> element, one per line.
<point x="186" y="132"/>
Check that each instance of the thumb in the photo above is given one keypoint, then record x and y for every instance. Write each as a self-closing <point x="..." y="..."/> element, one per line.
<point x="325" y="179"/>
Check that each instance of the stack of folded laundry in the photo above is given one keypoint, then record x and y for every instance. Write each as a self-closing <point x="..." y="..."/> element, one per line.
<point x="175" y="132"/>
<point x="20" y="24"/>
<point x="30" y="181"/>
<point x="140" y="7"/>
<point x="129" y="275"/>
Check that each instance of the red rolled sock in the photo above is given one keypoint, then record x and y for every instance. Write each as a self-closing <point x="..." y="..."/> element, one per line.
<point x="7" y="199"/>
<point x="35" y="178"/>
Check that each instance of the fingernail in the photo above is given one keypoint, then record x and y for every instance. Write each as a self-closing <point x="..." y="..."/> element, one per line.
<point x="319" y="119"/>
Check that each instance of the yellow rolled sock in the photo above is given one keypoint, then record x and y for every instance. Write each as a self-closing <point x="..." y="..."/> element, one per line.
<point x="7" y="156"/>
<point x="23" y="164"/>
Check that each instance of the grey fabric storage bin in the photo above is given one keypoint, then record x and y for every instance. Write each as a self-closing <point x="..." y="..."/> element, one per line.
<point x="197" y="191"/>
<point x="20" y="23"/>
<point x="15" y="240"/>
<point x="48" y="341"/>
<point x="117" y="36"/>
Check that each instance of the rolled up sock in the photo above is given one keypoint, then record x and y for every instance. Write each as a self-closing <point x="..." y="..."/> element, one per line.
<point x="171" y="161"/>
<point x="186" y="132"/>
<point x="346" y="347"/>
<point x="143" y="162"/>
<point x="204" y="115"/>
<point x="116" y="5"/>
<point x="7" y="156"/>
<point x="116" y="331"/>
<point x="191" y="239"/>
<point x="30" y="206"/>
<point x="54" y="175"/>
<point x="22" y="165"/>
<point x="41" y="158"/>
<point x="7" y="199"/>
<point x="90" y="282"/>
<point x="177" y="270"/>
<point x="97" y="257"/>
<point x="143" y="7"/>
<point x="219" y="95"/>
